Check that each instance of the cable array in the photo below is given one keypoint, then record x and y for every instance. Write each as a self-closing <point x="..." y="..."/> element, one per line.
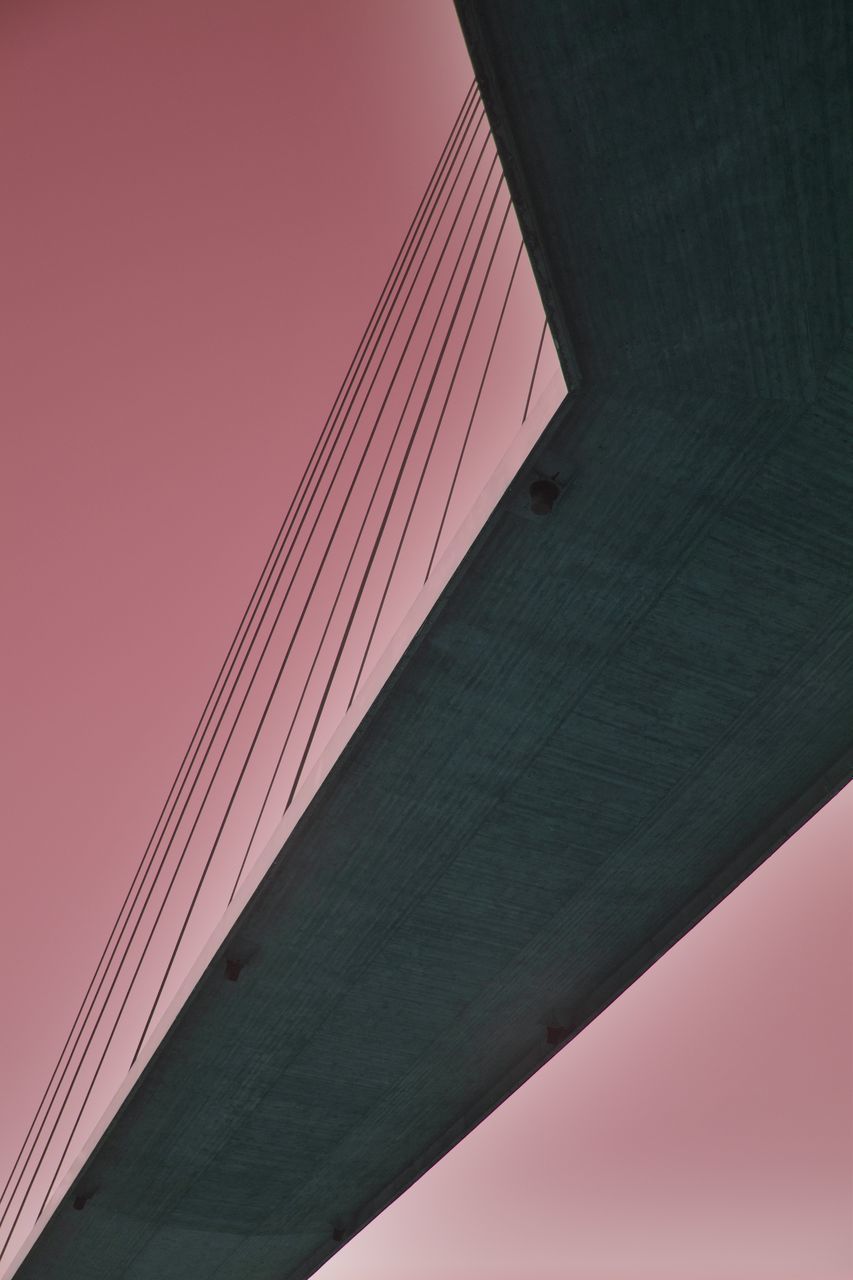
<point x="384" y="458"/>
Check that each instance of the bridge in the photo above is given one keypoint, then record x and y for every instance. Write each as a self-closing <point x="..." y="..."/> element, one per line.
<point x="633" y="687"/>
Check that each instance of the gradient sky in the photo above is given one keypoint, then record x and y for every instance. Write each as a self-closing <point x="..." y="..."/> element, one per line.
<point x="200" y="203"/>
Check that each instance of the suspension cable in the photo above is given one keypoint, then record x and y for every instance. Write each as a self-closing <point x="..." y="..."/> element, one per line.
<point x="465" y="439"/>
<point x="378" y="538"/>
<point x="214" y="697"/>
<point x="428" y="457"/>
<point x="296" y="631"/>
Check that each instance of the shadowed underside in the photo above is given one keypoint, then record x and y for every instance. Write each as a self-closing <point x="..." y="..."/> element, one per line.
<point x="614" y="713"/>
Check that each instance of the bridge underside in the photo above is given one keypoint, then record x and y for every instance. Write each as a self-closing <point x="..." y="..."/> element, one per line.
<point x="614" y="713"/>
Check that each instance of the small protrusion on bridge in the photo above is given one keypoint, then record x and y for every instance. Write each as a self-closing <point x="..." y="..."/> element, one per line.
<point x="233" y="968"/>
<point x="81" y="1199"/>
<point x="544" y="492"/>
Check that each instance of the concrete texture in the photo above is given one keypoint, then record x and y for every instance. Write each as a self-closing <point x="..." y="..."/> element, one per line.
<point x="614" y="713"/>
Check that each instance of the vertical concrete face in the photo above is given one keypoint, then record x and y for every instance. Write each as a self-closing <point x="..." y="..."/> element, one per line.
<point x="684" y="175"/>
<point x="616" y="710"/>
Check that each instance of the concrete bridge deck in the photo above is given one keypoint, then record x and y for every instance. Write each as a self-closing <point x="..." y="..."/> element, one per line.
<point x="614" y="713"/>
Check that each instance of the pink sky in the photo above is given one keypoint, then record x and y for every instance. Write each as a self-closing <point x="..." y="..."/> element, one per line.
<point x="201" y="202"/>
